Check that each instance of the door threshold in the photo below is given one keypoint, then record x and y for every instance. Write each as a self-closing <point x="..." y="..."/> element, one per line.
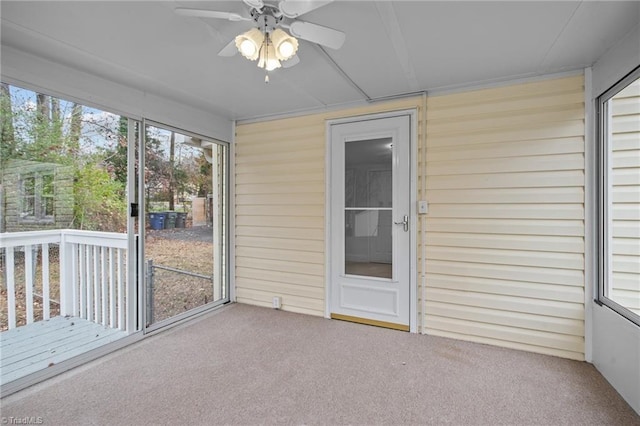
<point x="366" y="321"/>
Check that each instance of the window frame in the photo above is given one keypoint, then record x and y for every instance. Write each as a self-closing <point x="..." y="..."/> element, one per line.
<point x="38" y="197"/>
<point x="604" y="197"/>
<point x="47" y="195"/>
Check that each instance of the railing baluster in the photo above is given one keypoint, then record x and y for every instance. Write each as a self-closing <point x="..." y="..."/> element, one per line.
<point x="79" y="267"/>
<point x="11" y="287"/>
<point x="89" y="283"/>
<point x="96" y="286"/>
<point x="121" y="291"/>
<point x="104" y="282"/>
<point x="93" y="277"/>
<point x="112" y="289"/>
<point x="68" y="276"/>
<point x="64" y="276"/>
<point x="28" y="280"/>
<point x="75" y="270"/>
<point x="84" y="284"/>
<point x="46" y="297"/>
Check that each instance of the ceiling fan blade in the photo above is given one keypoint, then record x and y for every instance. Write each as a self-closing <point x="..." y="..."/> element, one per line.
<point x="202" y="13"/>
<point x="294" y="60"/>
<point x="295" y="8"/>
<point x="256" y="4"/>
<point x="317" y="34"/>
<point x="229" y="50"/>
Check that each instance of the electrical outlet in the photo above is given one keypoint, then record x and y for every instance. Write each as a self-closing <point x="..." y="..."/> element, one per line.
<point x="423" y="207"/>
<point x="277" y="302"/>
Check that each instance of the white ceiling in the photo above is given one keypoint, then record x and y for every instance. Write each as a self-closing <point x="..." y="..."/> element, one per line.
<point x="391" y="48"/>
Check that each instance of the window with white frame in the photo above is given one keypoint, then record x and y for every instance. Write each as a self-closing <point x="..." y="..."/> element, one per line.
<point x="37" y="197"/>
<point x="619" y="197"/>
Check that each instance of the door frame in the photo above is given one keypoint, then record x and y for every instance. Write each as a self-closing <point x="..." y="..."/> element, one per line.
<point x="140" y="258"/>
<point x="413" y="151"/>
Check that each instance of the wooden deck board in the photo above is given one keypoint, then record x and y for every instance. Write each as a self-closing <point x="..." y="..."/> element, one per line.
<point x="51" y="343"/>
<point x="44" y="336"/>
<point x="34" y="347"/>
<point x="37" y="328"/>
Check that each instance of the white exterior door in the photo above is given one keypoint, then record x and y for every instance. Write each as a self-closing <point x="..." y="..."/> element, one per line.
<point x="369" y="221"/>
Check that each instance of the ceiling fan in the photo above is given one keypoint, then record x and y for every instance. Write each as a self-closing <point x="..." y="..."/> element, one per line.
<point x="268" y="42"/>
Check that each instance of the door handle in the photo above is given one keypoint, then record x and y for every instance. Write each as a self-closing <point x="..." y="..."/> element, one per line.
<point x="404" y="223"/>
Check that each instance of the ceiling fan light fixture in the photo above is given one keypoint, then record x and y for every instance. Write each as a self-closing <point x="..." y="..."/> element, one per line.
<point x="268" y="42"/>
<point x="285" y="45"/>
<point x="249" y="43"/>
<point x="268" y="59"/>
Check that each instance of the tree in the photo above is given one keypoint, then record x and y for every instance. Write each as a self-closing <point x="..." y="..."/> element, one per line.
<point x="99" y="204"/>
<point x="57" y="122"/>
<point x="172" y="166"/>
<point x="43" y="119"/>
<point x="7" y="135"/>
<point x="44" y="108"/>
<point x="55" y="110"/>
<point x="118" y="158"/>
<point x="94" y="145"/>
<point x="204" y="179"/>
<point x="75" y="129"/>
<point x="53" y="131"/>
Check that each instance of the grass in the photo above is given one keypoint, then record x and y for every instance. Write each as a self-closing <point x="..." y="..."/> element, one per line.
<point x="173" y="292"/>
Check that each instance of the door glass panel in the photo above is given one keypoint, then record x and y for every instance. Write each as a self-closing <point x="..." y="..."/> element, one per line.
<point x="185" y="199"/>
<point x="63" y="231"/>
<point x="368" y="208"/>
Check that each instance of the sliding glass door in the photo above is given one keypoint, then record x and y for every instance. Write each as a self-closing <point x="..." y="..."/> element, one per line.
<point x="184" y="194"/>
<point x="67" y="268"/>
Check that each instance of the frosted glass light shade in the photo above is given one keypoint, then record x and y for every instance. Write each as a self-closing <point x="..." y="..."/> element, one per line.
<point x="268" y="59"/>
<point x="249" y="43"/>
<point x="285" y="45"/>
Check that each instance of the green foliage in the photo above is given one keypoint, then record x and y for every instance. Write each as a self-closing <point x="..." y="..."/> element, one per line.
<point x="117" y="158"/>
<point x="202" y="176"/>
<point x="63" y="133"/>
<point x="93" y="146"/>
<point x="99" y="200"/>
<point x="7" y="139"/>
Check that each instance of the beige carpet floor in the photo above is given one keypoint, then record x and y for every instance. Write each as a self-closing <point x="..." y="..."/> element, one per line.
<point x="246" y="365"/>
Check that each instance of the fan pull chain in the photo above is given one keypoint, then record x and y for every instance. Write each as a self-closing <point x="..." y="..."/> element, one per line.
<point x="266" y="58"/>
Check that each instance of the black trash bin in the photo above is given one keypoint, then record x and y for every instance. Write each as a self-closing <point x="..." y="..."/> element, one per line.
<point x="170" y="221"/>
<point x="181" y="220"/>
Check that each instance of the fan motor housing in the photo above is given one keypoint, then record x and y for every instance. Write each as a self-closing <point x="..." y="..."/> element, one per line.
<point x="267" y="19"/>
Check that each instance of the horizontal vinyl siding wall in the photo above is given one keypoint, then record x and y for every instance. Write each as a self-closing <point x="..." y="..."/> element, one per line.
<point x="280" y="208"/>
<point x="280" y="214"/>
<point x="625" y="163"/>
<point x="505" y="229"/>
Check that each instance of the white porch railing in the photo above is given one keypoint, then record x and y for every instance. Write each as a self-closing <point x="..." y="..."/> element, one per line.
<point x="92" y="275"/>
